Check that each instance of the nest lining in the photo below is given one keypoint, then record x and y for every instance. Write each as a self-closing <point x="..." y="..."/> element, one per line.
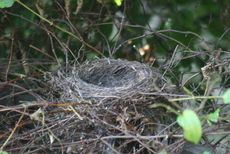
<point x="103" y="78"/>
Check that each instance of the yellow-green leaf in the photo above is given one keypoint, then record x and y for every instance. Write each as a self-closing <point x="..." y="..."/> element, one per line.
<point x="226" y="96"/>
<point x="6" y="3"/>
<point x="191" y="125"/>
<point x="118" y="2"/>
<point x="213" y="117"/>
<point x="3" y="152"/>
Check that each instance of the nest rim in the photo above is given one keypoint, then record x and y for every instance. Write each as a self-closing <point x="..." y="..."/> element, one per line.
<point x="103" y="78"/>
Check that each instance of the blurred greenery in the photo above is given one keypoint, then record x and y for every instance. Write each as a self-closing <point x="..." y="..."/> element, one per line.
<point x="191" y="125"/>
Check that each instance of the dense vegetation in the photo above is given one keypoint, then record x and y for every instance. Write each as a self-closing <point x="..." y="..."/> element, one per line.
<point x="187" y="41"/>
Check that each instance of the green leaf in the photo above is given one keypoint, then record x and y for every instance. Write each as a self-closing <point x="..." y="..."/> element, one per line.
<point x="163" y="152"/>
<point x="3" y="152"/>
<point x="213" y="117"/>
<point x="206" y="152"/>
<point x="226" y="96"/>
<point x="118" y="2"/>
<point x="168" y="23"/>
<point x="191" y="125"/>
<point x="6" y="3"/>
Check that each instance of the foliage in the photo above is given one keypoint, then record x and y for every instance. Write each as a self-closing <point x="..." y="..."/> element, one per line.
<point x="118" y="2"/>
<point x="159" y="15"/>
<point x="213" y="117"/>
<point x="188" y="40"/>
<point x="6" y="3"/>
<point x="191" y="125"/>
<point x="3" y="152"/>
<point x="226" y="96"/>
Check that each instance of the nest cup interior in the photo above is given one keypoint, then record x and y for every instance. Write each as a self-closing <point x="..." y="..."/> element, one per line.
<point x="112" y="74"/>
<point x="106" y="78"/>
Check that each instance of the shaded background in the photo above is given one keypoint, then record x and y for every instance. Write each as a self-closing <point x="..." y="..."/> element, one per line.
<point x="114" y="30"/>
<point x="178" y="36"/>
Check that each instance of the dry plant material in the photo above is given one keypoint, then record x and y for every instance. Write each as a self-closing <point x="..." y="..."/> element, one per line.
<point x="98" y="107"/>
<point x="67" y="8"/>
<point x="105" y="78"/>
<point x="79" y="6"/>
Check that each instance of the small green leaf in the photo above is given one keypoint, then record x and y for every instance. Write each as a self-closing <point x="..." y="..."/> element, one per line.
<point x="206" y="152"/>
<point x="226" y="96"/>
<point x="163" y="152"/>
<point x="191" y="125"/>
<point x="168" y="23"/>
<point x="6" y="3"/>
<point x="118" y="2"/>
<point x="213" y="117"/>
<point x="3" y="152"/>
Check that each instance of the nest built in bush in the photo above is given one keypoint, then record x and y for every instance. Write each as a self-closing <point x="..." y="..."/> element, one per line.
<point x="106" y="78"/>
<point x="119" y="92"/>
<point x="101" y="106"/>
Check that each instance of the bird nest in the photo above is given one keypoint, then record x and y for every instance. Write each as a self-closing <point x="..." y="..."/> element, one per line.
<point x="102" y="106"/>
<point x="105" y="78"/>
<point x="111" y="102"/>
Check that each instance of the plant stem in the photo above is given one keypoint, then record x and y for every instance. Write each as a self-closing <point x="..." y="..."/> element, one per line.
<point x="59" y="28"/>
<point x="167" y="107"/>
<point x="13" y="131"/>
<point x="194" y="98"/>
